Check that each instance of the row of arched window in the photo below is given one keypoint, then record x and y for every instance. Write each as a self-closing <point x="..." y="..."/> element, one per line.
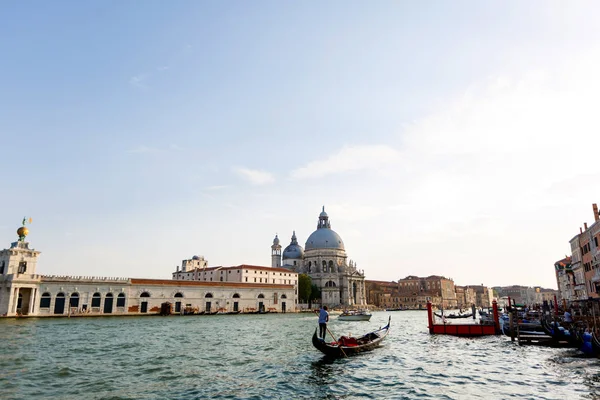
<point x="325" y="267"/>
<point x="46" y="298"/>
<point x="97" y="298"/>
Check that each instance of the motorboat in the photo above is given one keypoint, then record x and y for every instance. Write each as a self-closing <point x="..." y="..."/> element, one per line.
<point x="352" y="315"/>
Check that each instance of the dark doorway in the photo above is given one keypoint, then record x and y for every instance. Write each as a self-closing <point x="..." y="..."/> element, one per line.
<point x="144" y="303"/>
<point x="108" y="303"/>
<point x="283" y="306"/>
<point x="178" y="295"/>
<point x="236" y="306"/>
<point x="20" y="302"/>
<point x="74" y="300"/>
<point x="208" y="306"/>
<point x="59" y="304"/>
<point x="261" y="306"/>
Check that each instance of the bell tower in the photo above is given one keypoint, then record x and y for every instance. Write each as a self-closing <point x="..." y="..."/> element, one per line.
<point x="276" y="253"/>
<point x="18" y="280"/>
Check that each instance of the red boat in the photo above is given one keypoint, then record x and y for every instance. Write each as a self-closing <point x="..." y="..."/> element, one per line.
<point x="467" y="330"/>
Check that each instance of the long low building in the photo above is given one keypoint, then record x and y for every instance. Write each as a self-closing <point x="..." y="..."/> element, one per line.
<point x="25" y="293"/>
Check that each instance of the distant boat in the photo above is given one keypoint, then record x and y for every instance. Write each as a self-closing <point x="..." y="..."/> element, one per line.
<point x="346" y="346"/>
<point x="453" y="315"/>
<point x="360" y="315"/>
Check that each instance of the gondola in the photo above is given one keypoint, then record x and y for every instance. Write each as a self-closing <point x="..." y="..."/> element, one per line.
<point x="453" y="315"/>
<point x="559" y="335"/>
<point x="346" y="346"/>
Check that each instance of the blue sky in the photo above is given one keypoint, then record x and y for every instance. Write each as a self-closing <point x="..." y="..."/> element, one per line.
<point x="453" y="138"/>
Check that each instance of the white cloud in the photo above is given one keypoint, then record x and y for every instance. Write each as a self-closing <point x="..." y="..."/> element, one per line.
<point x="504" y="144"/>
<point x="139" y="81"/>
<point x="349" y="158"/>
<point x="254" y="176"/>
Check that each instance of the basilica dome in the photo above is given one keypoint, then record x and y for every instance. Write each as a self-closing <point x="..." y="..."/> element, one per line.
<point x="324" y="237"/>
<point x="293" y="250"/>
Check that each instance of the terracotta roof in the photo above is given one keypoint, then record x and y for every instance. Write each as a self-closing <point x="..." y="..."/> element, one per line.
<point x="243" y="266"/>
<point x="383" y="283"/>
<point x="564" y="262"/>
<point x="170" y="282"/>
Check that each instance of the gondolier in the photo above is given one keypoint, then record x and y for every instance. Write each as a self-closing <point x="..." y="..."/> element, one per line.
<point x="323" y="319"/>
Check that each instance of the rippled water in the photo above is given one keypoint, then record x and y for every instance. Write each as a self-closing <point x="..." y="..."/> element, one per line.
<point x="271" y="357"/>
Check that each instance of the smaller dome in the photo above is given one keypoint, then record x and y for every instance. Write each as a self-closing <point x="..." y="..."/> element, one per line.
<point x="294" y="252"/>
<point x="195" y="258"/>
<point x="276" y="240"/>
<point x="22" y="231"/>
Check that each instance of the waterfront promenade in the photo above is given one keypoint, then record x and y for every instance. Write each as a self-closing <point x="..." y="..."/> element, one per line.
<point x="271" y="357"/>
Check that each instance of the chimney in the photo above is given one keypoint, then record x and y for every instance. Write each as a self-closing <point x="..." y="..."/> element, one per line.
<point x="595" y="208"/>
<point x="580" y="230"/>
<point x="585" y="226"/>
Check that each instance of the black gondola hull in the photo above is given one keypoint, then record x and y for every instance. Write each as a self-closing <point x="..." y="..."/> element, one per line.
<point x="373" y="340"/>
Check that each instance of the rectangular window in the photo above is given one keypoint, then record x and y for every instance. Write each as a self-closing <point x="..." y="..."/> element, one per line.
<point x="22" y="267"/>
<point x="45" y="302"/>
<point x="246" y="279"/>
<point x="254" y="279"/>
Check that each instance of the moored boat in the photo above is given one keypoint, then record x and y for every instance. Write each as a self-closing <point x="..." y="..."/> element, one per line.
<point x="361" y="315"/>
<point x="346" y="346"/>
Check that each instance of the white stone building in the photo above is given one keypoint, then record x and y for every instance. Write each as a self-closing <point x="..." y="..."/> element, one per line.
<point x="325" y="260"/>
<point x="244" y="288"/>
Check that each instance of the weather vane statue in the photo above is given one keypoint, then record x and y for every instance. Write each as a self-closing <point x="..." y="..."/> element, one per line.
<point x="23" y="231"/>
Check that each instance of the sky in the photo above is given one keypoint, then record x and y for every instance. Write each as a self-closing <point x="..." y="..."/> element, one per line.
<point x="452" y="138"/>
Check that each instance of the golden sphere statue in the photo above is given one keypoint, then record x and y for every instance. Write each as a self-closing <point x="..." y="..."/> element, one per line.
<point x="22" y="231"/>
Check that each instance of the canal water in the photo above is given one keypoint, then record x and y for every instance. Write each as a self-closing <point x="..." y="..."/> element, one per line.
<point x="271" y="357"/>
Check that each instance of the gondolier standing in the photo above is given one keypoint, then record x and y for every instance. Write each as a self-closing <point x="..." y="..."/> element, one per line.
<point x="323" y="319"/>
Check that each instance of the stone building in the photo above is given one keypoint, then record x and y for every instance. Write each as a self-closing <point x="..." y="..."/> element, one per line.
<point x="434" y="286"/>
<point x="465" y="296"/>
<point x="483" y="295"/>
<point x="579" y="287"/>
<point x="565" y="279"/>
<point x="382" y="294"/>
<point x="24" y="292"/>
<point x="325" y="260"/>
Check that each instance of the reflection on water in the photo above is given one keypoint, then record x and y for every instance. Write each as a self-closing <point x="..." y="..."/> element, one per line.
<point x="271" y="356"/>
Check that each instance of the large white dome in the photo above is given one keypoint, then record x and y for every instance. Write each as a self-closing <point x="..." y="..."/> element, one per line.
<point x="324" y="237"/>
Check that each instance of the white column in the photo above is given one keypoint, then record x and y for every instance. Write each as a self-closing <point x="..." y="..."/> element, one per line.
<point x="36" y="302"/>
<point x="31" y="301"/>
<point x="16" y="300"/>
<point x="11" y="296"/>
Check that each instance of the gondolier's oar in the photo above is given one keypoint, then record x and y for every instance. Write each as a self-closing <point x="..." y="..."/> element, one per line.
<point x="339" y="345"/>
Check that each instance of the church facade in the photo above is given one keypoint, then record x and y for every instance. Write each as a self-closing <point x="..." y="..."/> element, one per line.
<point x="324" y="259"/>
